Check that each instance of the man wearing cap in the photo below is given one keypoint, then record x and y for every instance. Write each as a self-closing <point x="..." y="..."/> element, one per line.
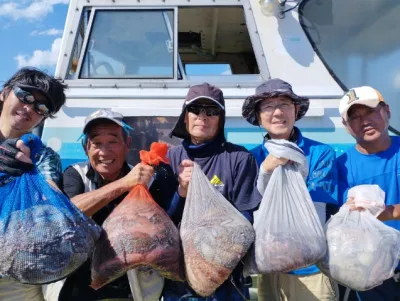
<point x="231" y="168"/>
<point x="276" y="108"/>
<point x="97" y="186"/>
<point x="27" y="99"/>
<point x="374" y="159"/>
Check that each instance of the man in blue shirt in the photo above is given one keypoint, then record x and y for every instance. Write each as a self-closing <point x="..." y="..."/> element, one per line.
<point x="276" y="108"/>
<point x="374" y="159"/>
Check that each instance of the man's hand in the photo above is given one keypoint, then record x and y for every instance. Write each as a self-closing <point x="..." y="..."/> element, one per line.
<point x="271" y="162"/>
<point x="14" y="157"/>
<point x="352" y="207"/>
<point x="185" y="171"/>
<point x="140" y="174"/>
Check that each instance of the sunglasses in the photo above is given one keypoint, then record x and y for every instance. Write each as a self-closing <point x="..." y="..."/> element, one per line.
<point x="208" y="110"/>
<point x="27" y="98"/>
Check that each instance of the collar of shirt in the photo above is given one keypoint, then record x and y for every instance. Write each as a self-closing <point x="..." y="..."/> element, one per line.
<point x="295" y="137"/>
<point x="205" y="149"/>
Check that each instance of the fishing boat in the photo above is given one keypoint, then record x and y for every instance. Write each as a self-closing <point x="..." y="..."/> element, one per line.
<point x="139" y="58"/>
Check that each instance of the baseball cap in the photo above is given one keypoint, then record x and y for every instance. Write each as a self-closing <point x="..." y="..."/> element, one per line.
<point x="206" y="91"/>
<point x="195" y="93"/>
<point x="106" y="114"/>
<point x="364" y="95"/>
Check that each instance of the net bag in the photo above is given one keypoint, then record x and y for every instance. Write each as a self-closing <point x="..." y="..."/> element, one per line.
<point x="43" y="236"/>
<point x="138" y="232"/>
<point x="289" y="234"/>
<point x="215" y="235"/>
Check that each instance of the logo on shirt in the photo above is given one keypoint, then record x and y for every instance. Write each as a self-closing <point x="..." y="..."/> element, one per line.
<point x="217" y="183"/>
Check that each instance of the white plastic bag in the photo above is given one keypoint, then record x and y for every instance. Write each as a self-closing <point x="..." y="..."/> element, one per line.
<point x="370" y="197"/>
<point x="289" y="234"/>
<point x="362" y="251"/>
<point x="215" y="235"/>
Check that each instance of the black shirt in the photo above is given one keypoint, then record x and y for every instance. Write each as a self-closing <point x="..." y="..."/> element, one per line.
<point x="77" y="285"/>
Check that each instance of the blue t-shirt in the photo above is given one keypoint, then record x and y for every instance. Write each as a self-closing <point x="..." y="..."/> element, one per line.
<point x="382" y="169"/>
<point x="322" y="178"/>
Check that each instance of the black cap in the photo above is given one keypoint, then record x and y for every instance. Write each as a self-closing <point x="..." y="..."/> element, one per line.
<point x="203" y="91"/>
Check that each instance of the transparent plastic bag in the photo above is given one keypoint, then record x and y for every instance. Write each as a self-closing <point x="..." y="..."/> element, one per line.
<point x="289" y="234"/>
<point x="215" y="235"/>
<point x="362" y="251"/>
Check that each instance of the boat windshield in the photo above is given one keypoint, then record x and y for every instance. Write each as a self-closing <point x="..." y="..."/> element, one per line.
<point x="359" y="43"/>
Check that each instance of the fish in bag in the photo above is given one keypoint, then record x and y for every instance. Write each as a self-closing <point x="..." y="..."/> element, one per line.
<point x="362" y="251"/>
<point x="43" y="236"/>
<point x="289" y="234"/>
<point x="215" y="235"/>
<point x="138" y="233"/>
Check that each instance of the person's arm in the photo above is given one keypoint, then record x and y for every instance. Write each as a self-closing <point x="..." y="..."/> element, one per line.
<point x="322" y="183"/>
<point x="91" y="202"/>
<point x="263" y="180"/>
<point x="391" y="212"/>
<point x="246" y="198"/>
<point x="343" y="182"/>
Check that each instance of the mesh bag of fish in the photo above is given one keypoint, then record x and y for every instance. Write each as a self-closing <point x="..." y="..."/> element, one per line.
<point x="362" y="251"/>
<point x="138" y="233"/>
<point x="43" y="236"/>
<point x="289" y="234"/>
<point x="215" y="235"/>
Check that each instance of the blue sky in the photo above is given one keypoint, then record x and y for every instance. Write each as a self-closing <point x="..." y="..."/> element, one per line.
<point x="30" y="34"/>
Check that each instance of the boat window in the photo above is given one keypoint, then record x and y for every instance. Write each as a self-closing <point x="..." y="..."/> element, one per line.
<point x="211" y="38"/>
<point x="130" y="44"/>
<point x="358" y="42"/>
<point x="208" y="69"/>
<point x="77" y="48"/>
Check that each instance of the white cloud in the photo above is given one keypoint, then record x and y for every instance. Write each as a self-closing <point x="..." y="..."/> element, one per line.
<point x="33" y="11"/>
<point x="41" y="58"/>
<point x="48" y="32"/>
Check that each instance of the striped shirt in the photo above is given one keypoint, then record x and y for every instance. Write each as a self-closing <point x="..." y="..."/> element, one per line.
<point x="49" y="164"/>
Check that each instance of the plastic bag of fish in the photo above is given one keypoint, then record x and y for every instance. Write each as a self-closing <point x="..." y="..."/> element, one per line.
<point x="43" y="236"/>
<point x="362" y="251"/>
<point x="215" y="235"/>
<point x="289" y="234"/>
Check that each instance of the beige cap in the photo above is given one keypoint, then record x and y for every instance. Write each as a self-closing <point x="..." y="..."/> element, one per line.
<point x="364" y="95"/>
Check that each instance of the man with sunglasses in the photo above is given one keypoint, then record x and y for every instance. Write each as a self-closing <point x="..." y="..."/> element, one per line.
<point x="229" y="167"/>
<point x="374" y="159"/>
<point x="27" y="99"/>
<point x="276" y="108"/>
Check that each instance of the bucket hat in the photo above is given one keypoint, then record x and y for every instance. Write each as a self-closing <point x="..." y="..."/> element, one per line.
<point x="272" y="88"/>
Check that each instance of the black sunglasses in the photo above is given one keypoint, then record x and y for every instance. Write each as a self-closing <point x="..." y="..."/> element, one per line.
<point x="27" y="98"/>
<point x="208" y="110"/>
